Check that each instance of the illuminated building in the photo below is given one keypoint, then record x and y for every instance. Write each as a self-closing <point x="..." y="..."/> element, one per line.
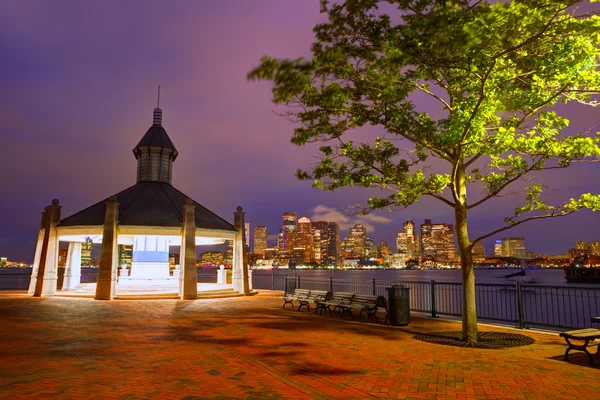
<point x="406" y="240"/>
<point x="333" y="244"/>
<point x="288" y="232"/>
<point x="228" y="258"/>
<point x="371" y="250"/>
<point x="211" y="258"/>
<point x="260" y="240"/>
<point x="401" y="243"/>
<point x="270" y="253"/>
<point x="62" y="256"/>
<point x="358" y="235"/>
<point x="298" y="254"/>
<point x="320" y="241"/>
<point x="125" y="255"/>
<point x="479" y="249"/>
<point x="595" y="248"/>
<point x="437" y="241"/>
<point x="247" y="235"/>
<point x="173" y="259"/>
<point x="514" y="247"/>
<point x="581" y="245"/>
<point x="304" y="239"/>
<point x="383" y="249"/>
<point x="498" y="248"/>
<point x="347" y="248"/>
<point x="86" y="252"/>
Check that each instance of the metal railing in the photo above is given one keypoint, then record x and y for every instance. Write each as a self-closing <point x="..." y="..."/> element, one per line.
<point x="521" y="304"/>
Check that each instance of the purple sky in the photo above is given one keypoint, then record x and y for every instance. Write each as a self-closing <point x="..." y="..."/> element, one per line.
<point x="79" y="84"/>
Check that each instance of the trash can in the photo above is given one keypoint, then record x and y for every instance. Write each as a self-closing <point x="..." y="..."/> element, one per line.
<point x="398" y="297"/>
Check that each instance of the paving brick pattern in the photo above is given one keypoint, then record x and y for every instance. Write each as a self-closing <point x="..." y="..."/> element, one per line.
<point x="71" y="348"/>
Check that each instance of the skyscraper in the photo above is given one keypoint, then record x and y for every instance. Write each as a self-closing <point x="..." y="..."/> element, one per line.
<point x="498" y="248"/>
<point x="247" y="233"/>
<point x="358" y="235"/>
<point x="514" y="247"/>
<point x="228" y="259"/>
<point x="86" y="252"/>
<point x="437" y="240"/>
<point x="288" y="232"/>
<point x="125" y="255"/>
<point x="319" y="241"/>
<point x="260" y="240"/>
<point x="383" y="249"/>
<point x="595" y="248"/>
<point x="304" y="238"/>
<point x="479" y="249"/>
<point x="333" y="244"/>
<point x="371" y="250"/>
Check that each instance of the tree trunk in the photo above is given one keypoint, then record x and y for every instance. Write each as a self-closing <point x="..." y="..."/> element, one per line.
<point x="469" y="312"/>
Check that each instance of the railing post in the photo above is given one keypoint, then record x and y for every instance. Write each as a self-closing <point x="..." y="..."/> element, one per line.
<point x="285" y="285"/>
<point x="374" y="288"/>
<point x="331" y="284"/>
<point x="521" y="324"/>
<point x="433" y="305"/>
<point x="272" y="280"/>
<point x="298" y="282"/>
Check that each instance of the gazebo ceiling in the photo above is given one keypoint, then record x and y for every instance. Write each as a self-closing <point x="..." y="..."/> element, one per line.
<point x="154" y="204"/>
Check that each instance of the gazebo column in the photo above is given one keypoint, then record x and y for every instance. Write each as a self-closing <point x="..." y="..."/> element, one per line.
<point x="73" y="267"/>
<point x="188" y="252"/>
<point x="46" y="277"/>
<point x="38" y="253"/>
<point x="106" y="285"/>
<point x="240" y="259"/>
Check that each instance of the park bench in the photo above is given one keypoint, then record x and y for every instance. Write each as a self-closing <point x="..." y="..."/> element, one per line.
<point x="365" y="303"/>
<point x="298" y="295"/>
<point x="304" y="297"/>
<point x="335" y="300"/>
<point x="586" y="335"/>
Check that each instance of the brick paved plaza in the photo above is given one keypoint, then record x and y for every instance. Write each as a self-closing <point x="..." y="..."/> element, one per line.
<point x="72" y="348"/>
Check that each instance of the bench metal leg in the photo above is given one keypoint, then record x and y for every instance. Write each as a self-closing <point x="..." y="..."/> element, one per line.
<point x="303" y="304"/>
<point x="288" y="302"/>
<point x="580" y="348"/>
<point x="345" y="311"/>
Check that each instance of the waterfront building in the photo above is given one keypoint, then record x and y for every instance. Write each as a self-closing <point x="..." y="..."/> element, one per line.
<point x="333" y="244"/>
<point x="125" y="252"/>
<point x="401" y="243"/>
<point x="320" y="241"/>
<point x="211" y="258"/>
<point x="270" y="253"/>
<point x="595" y="248"/>
<point x="260" y="240"/>
<point x="298" y="254"/>
<point x="347" y="248"/>
<point x="514" y="247"/>
<point x="86" y="252"/>
<point x="498" y="248"/>
<point x="371" y="249"/>
<point x="383" y="249"/>
<point x="437" y="241"/>
<point x="151" y="215"/>
<point x="228" y="258"/>
<point x="288" y="232"/>
<point x="247" y="236"/>
<point x="304" y="239"/>
<point x="358" y="235"/>
<point x="479" y="249"/>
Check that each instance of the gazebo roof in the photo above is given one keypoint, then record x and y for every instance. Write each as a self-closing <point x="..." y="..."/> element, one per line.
<point x="156" y="136"/>
<point x="148" y="204"/>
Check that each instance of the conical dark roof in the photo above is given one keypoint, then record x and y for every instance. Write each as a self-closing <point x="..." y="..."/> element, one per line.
<point x="156" y="136"/>
<point x="148" y="204"/>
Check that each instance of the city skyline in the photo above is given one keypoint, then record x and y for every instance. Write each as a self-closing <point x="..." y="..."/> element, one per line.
<point x="71" y="102"/>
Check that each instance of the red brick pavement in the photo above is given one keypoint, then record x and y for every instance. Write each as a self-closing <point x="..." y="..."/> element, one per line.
<point x="72" y="348"/>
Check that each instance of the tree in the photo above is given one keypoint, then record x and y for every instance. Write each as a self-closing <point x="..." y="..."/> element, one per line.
<point x="496" y="71"/>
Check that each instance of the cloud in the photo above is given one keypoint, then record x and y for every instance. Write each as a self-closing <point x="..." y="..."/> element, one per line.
<point x="345" y="221"/>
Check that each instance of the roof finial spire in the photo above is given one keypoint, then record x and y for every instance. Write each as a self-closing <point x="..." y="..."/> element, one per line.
<point x="157" y="111"/>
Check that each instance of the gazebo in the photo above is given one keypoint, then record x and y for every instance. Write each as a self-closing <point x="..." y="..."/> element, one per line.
<point x="151" y="216"/>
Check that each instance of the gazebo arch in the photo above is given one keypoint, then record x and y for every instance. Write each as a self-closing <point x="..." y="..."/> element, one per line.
<point x="150" y="215"/>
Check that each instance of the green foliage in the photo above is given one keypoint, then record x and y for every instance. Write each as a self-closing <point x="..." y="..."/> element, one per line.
<point x="495" y="70"/>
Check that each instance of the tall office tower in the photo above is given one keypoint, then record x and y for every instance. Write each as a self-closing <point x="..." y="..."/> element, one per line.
<point x="595" y="248"/>
<point x="228" y="259"/>
<point x="260" y="240"/>
<point x="514" y="247"/>
<point x="247" y="233"/>
<point x="86" y="252"/>
<point x="288" y="230"/>
<point x="411" y="241"/>
<point x="319" y="240"/>
<point x="125" y="252"/>
<point x="581" y="245"/>
<point x="280" y="241"/>
<point x="479" y="249"/>
<point x="358" y="234"/>
<point x="304" y="238"/>
<point x="401" y="243"/>
<point x="383" y="249"/>
<point x="347" y="248"/>
<point x="498" y="248"/>
<point x="371" y="250"/>
<point x="437" y="240"/>
<point x="333" y="244"/>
